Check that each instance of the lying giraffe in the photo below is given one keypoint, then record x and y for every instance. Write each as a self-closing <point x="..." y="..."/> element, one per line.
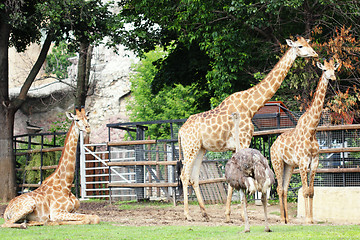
<point x="53" y="202"/>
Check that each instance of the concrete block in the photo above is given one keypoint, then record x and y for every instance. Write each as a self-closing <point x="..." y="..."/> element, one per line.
<point x="333" y="204"/>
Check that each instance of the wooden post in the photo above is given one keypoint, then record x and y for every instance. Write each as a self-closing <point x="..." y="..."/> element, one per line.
<point x="149" y="168"/>
<point x="157" y="170"/>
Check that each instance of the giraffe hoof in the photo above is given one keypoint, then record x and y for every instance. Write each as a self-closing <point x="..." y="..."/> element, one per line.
<point x="207" y="218"/>
<point x="23" y="226"/>
<point x="228" y="221"/>
<point x="247" y="230"/>
<point x="309" y="221"/>
<point x="189" y="219"/>
<point x="267" y="229"/>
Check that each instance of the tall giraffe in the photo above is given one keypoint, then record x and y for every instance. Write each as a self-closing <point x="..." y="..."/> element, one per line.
<point x="53" y="202"/>
<point x="299" y="147"/>
<point x="212" y="130"/>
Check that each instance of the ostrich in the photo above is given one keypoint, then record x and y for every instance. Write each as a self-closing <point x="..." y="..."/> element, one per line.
<point x="248" y="171"/>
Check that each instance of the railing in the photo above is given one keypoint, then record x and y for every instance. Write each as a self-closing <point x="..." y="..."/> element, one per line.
<point x="108" y="164"/>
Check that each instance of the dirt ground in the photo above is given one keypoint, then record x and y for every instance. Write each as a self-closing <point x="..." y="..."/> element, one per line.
<point x="150" y="214"/>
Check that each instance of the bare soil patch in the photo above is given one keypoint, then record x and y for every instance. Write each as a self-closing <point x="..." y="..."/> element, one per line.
<point x="149" y="214"/>
<point x="145" y="214"/>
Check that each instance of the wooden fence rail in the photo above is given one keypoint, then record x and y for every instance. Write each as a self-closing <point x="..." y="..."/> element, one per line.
<point x="319" y="129"/>
<point x="208" y="181"/>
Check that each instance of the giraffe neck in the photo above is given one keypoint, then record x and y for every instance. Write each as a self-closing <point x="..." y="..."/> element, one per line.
<point x="236" y="133"/>
<point x="312" y="116"/>
<point x="263" y="91"/>
<point x="66" y="168"/>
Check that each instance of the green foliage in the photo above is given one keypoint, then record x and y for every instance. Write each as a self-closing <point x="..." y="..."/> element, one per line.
<point x="169" y="103"/>
<point x="238" y="39"/>
<point x="61" y="125"/>
<point x="34" y="176"/>
<point x="58" y="60"/>
<point x="48" y="159"/>
<point x="299" y="86"/>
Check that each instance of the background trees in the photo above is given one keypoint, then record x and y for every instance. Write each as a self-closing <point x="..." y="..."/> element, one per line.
<point x="238" y="41"/>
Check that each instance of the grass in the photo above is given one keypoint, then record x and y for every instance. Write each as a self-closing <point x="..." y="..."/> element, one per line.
<point x="106" y="230"/>
<point x="114" y="231"/>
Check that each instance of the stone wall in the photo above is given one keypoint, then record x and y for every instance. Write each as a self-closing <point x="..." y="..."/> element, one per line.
<point x="110" y="89"/>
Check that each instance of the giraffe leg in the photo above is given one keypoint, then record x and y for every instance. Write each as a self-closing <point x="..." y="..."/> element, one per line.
<point x="313" y="167"/>
<point x="35" y="223"/>
<point x="303" y="174"/>
<point x="264" y="203"/>
<point x="200" y="200"/>
<point x="228" y="204"/>
<point x="17" y="210"/>
<point x="66" y="218"/>
<point x="195" y="179"/>
<point x="185" y="179"/>
<point x="288" y="170"/>
<point x="244" y="203"/>
<point x="278" y="166"/>
<point x="185" y="183"/>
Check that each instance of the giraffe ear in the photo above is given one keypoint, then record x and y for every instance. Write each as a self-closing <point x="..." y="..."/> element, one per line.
<point x="336" y="65"/>
<point x="69" y="115"/>
<point x="290" y="42"/>
<point x="320" y="65"/>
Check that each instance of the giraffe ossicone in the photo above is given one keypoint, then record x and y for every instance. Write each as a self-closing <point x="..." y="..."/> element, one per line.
<point x="53" y="203"/>
<point x="212" y="130"/>
<point x="299" y="148"/>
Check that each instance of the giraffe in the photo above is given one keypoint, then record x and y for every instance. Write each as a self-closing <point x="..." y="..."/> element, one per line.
<point x="53" y="203"/>
<point x="212" y="130"/>
<point x="299" y="147"/>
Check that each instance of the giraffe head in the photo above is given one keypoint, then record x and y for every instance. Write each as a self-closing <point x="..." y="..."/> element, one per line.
<point x="81" y="122"/>
<point x="328" y="68"/>
<point x="302" y="47"/>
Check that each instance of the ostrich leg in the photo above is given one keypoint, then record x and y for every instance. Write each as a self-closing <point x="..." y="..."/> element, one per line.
<point x="244" y="203"/>
<point x="264" y="203"/>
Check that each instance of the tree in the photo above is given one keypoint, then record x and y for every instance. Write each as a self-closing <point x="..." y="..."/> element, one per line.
<point x="79" y="22"/>
<point x="169" y="103"/>
<point x="18" y="28"/>
<point x="240" y="38"/>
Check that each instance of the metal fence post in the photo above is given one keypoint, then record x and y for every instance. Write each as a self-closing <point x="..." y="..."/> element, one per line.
<point x="139" y="156"/>
<point x="82" y="167"/>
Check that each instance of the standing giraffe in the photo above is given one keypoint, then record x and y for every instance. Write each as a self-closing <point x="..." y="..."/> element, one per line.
<point x="53" y="202"/>
<point x="299" y="147"/>
<point x="212" y="130"/>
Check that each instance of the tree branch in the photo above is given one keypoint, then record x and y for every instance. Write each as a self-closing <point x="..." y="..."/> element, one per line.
<point x="34" y="71"/>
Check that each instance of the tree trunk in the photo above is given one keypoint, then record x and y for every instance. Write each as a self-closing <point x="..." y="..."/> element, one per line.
<point x="84" y="65"/>
<point x="7" y="161"/>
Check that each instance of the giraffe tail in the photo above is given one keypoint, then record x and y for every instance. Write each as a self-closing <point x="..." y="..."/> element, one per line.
<point x="179" y="167"/>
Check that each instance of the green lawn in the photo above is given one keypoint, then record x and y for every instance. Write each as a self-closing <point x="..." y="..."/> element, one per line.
<point x="114" y="231"/>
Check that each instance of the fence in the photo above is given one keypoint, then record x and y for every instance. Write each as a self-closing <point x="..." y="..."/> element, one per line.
<point x="37" y="156"/>
<point x="143" y="168"/>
